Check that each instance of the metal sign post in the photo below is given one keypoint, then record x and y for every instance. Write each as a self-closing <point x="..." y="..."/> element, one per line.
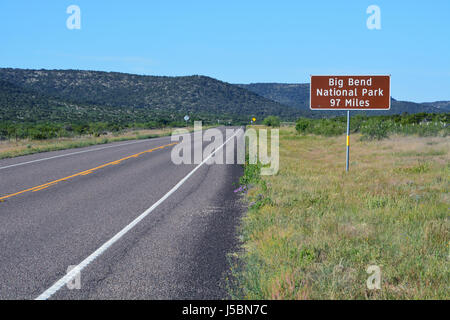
<point x="348" y="142"/>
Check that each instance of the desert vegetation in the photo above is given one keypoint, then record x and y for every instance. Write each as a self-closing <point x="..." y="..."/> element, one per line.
<point x="379" y="127"/>
<point x="312" y="230"/>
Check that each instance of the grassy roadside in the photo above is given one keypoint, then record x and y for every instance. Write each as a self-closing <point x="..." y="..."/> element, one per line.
<point x="312" y="230"/>
<point x="11" y="149"/>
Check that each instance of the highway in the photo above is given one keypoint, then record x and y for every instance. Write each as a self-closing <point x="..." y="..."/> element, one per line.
<point x="139" y="226"/>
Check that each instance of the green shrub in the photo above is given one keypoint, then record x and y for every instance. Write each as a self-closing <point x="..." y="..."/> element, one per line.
<point x="326" y="127"/>
<point x="272" y="121"/>
<point x="374" y="129"/>
<point x="303" y="125"/>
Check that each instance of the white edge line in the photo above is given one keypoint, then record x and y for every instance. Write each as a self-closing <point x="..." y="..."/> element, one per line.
<point x="70" y="275"/>
<point x="69" y="154"/>
<point x="83" y="151"/>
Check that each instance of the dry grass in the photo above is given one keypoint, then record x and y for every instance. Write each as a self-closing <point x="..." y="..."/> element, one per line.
<point x="313" y="229"/>
<point x="10" y="149"/>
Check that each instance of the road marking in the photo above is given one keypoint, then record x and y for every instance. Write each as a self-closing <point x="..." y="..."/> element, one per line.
<point x="83" y="173"/>
<point x="45" y="187"/>
<point x="78" y="152"/>
<point x="76" y="270"/>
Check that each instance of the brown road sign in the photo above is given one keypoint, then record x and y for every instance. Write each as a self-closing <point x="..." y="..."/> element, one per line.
<point x="350" y="93"/>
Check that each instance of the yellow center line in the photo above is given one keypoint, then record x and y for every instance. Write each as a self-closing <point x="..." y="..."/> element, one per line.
<point x="45" y="187"/>
<point x="83" y="173"/>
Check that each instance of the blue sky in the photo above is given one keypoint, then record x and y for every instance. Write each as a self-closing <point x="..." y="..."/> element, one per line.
<point x="237" y="41"/>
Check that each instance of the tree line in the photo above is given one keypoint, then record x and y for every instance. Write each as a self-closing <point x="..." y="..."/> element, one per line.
<point x="379" y="127"/>
<point x="49" y="130"/>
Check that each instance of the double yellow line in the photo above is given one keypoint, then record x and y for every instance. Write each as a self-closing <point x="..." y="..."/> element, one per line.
<point x="83" y="173"/>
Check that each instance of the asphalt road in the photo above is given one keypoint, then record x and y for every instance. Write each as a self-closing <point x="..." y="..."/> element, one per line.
<point x="177" y="251"/>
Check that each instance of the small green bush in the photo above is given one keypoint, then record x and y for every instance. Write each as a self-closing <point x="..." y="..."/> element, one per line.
<point x="326" y="127"/>
<point x="303" y="125"/>
<point x="272" y="121"/>
<point x="374" y="130"/>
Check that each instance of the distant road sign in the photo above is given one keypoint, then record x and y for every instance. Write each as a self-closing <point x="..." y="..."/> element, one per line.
<point x="350" y="93"/>
<point x="186" y="118"/>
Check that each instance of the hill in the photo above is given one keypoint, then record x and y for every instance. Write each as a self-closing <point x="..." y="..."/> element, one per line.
<point x="76" y="96"/>
<point x="65" y="95"/>
<point x="297" y="96"/>
<point x="442" y="105"/>
<point x="24" y="105"/>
